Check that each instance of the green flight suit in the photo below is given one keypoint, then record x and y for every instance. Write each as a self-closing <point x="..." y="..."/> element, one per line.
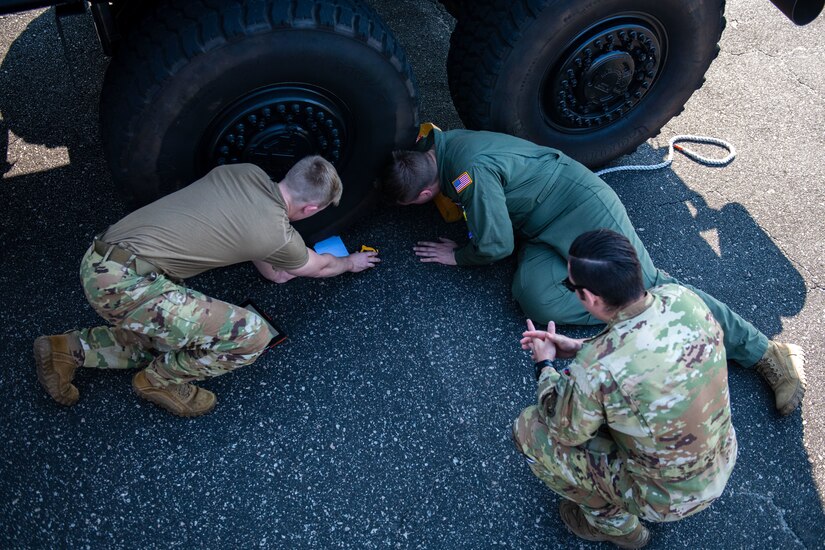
<point x="511" y="187"/>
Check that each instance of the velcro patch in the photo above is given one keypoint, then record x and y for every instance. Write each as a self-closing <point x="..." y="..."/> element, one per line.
<point x="462" y="182"/>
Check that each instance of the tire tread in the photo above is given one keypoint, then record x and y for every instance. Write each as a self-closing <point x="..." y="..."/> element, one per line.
<point x="480" y="45"/>
<point x="179" y="31"/>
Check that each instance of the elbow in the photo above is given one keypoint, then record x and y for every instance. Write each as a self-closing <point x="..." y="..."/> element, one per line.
<point x="281" y="277"/>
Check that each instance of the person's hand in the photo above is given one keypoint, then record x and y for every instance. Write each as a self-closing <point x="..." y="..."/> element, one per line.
<point x="539" y="342"/>
<point x="442" y="252"/>
<point x="566" y="347"/>
<point x="363" y="260"/>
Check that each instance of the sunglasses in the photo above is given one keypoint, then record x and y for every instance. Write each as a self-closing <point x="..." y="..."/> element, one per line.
<point x="568" y="284"/>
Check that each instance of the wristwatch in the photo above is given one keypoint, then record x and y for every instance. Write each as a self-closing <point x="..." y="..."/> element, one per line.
<point x="541" y="365"/>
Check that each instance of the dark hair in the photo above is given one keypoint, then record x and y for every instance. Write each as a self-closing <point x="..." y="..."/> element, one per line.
<point x="405" y="175"/>
<point x="605" y="263"/>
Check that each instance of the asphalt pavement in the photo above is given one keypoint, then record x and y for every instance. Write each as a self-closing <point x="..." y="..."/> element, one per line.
<point x="383" y="421"/>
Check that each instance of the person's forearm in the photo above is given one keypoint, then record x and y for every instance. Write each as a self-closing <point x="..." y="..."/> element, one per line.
<point x="334" y="266"/>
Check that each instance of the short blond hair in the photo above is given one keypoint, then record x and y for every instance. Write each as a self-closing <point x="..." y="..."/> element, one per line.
<point x="314" y="180"/>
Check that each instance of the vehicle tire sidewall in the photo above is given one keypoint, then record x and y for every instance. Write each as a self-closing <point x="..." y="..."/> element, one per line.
<point x="692" y="29"/>
<point x="381" y="109"/>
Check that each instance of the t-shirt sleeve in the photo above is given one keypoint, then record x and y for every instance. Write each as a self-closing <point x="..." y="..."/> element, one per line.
<point x="292" y="255"/>
<point x="488" y="223"/>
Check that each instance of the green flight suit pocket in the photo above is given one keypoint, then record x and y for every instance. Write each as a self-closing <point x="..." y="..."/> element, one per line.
<point x="548" y="186"/>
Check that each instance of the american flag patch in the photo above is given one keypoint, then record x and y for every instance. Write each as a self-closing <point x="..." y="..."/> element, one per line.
<point x="462" y="182"/>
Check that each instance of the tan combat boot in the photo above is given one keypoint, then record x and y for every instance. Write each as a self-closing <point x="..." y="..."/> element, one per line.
<point x="783" y="366"/>
<point x="178" y="399"/>
<point x="574" y="519"/>
<point x="56" y="358"/>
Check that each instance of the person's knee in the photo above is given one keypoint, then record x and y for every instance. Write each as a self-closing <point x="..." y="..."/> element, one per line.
<point x="546" y="303"/>
<point x="536" y="301"/>
<point x="253" y="341"/>
<point x="522" y="432"/>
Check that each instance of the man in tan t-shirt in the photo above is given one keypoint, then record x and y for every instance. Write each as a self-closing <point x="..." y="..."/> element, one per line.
<point x="132" y="276"/>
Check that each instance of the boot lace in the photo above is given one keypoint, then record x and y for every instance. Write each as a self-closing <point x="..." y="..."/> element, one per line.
<point x="770" y="371"/>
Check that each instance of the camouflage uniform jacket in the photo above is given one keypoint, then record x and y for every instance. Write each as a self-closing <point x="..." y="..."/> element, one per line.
<point x="655" y="380"/>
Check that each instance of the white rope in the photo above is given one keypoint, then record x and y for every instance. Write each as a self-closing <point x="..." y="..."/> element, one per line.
<point x="685" y="151"/>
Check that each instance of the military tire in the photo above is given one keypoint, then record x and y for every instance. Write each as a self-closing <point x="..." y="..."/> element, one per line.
<point x="209" y="82"/>
<point x="594" y="79"/>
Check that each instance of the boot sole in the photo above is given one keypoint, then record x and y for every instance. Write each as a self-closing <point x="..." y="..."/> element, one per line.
<point x="46" y="375"/>
<point x="148" y="396"/>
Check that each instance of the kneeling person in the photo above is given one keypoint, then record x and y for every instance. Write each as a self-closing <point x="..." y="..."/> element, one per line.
<point x="132" y="273"/>
<point x="640" y="427"/>
<point x="510" y="188"/>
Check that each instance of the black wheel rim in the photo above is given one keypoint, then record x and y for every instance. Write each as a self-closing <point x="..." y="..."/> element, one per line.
<point x="604" y="73"/>
<point x="275" y="126"/>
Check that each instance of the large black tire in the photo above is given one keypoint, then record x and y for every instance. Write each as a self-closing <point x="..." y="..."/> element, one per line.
<point x="523" y="67"/>
<point x="455" y="7"/>
<point x="206" y="82"/>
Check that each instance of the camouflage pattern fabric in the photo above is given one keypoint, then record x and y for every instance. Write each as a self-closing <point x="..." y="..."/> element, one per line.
<point x="641" y="426"/>
<point x="178" y="334"/>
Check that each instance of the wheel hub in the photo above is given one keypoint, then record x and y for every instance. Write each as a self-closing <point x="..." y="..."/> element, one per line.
<point x="276" y="126"/>
<point x="605" y="72"/>
<point x="608" y="77"/>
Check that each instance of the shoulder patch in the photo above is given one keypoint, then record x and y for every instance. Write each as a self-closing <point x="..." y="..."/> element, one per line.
<point x="462" y="182"/>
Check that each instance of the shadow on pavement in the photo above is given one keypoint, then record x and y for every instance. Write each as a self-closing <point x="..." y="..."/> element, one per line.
<point x="724" y="252"/>
<point x="382" y="422"/>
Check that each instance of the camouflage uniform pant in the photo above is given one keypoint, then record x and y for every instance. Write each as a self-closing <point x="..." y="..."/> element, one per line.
<point x="596" y="477"/>
<point x="592" y="476"/>
<point x="176" y="333"/>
